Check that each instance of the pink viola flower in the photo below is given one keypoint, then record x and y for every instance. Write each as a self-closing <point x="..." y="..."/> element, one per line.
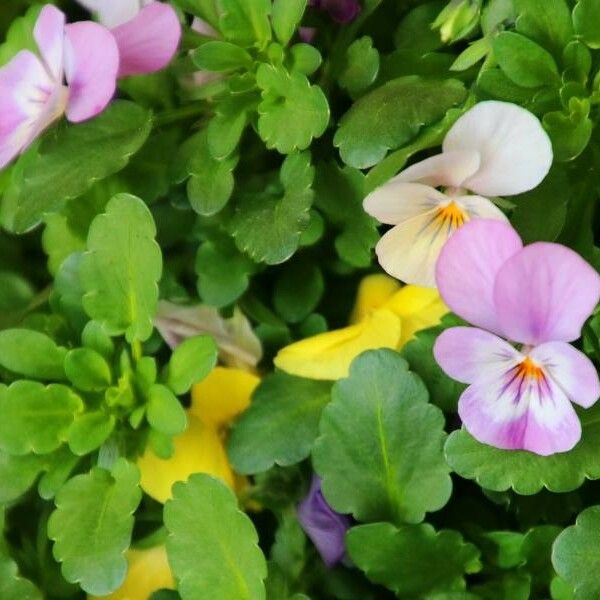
<point x="147" y="32"/>
<point x="494" y="149"/>
<point x="537" y="297"/>
<point x="74" y="74"/>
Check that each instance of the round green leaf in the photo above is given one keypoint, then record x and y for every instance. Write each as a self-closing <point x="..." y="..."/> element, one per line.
<point x="191" y="362"/>
<point x="87" y="370"/>
<point x="380" y="451"/>
<point x="89" y="431"/>
<point x="361" y="66"/>
<point x="217" y="55"/>
<point x="164" y="412"/>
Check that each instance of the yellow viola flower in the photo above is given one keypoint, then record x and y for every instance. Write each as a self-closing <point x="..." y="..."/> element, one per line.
<point x="148" y="571"/>
<point x="216" y="401"/>
<point x="385" y="315"/>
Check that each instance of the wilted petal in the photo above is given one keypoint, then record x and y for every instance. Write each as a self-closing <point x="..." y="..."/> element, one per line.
<point x="112" y="13"/>
<point x="515" y="151"/>
<point x="571" y="370"/>
<point x="373" y="292"/>
<point x="49" y="34"/>
<point x="448" y="169"/>
<point x="544" y="293"/>
<point x="467" y="268"/>
<point x="148" y="42"/>
<point x="91" y="66"/>
<point x="397" y="201"/>
<point x="325" y="527"/>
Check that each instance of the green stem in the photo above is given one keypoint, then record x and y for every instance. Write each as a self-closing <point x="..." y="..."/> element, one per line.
<point x="179" y="114"/>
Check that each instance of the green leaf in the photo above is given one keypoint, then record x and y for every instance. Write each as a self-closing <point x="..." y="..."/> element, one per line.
<point x="305" y="58"/>
<point x="221" y="56"/>
<point x="525" y="472"/>
<point x="18" y="474"/>
<point x="14" y="587"/>
<point x="20" y="35"/>
<point x="36" y="418"/>
<point x="414" y="560"/>
<point x="361" y="66"/>
<point x="569" y="131"/>
<point x="290" y="409"/>
<point x="380" y="449"/>
<point x="32" y="354"/>
<point x="415" y="31"/>
<point x="71" y="159"/>
<point x="292" y="111"/>
<point x="286" y="17"/>
<point x="245" y="22"/>
<point x="165" y="413"/>
<point x="391" y="115"/>
<point x="87" y="370"/>
<point x="191" y="362"/>
<point x="89" y="431"/>
<point x="586" y="20"/>
<point x="524" y="62"/>
<point x="267" y="227"/>
<point x="213" y="546"/>
<point x="575" y="554"/>
<point x="121" y="269"/>
<point x="92" y="525"/>
<point x="298" y="291"/>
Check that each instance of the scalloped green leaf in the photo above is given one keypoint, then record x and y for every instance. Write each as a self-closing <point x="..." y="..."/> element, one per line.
<point x="92" y="526"/>
<point x="12" y="585"/>
<point x="212" y="545"/>
<point x="71" y="159"/>
<point x="524" y="472"/>
<point x="17" y="474"/>
<point x="380" y="449"/>
<point x="121" y="269"/>
<point x="414" y="560"/>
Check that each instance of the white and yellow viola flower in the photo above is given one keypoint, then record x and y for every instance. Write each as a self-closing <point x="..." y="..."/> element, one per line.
<point x="494" y="149"/>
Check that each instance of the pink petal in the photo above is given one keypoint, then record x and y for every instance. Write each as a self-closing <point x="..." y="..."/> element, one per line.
<point x="49" y="34"/>
<point x="91" y="66"/>
<point x="571" y="370"/>
<point x="148" y="42"/>
<point x="468" y="354"/>
<point x="520" y="413"/>
<point x="545" y="293"/>
<point x="467" y="268"/>
<point x="447" y="169"/>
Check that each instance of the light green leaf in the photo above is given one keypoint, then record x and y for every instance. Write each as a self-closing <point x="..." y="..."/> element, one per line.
<point x="20" y="35"/>
<point x="36" y="418"/>
<point x="213" y="546"/>
<point x="268" y="228"/>
<point x="393" y="114"/>
<point x="525" y="472"/>
<point x="87" y="370"/>
<point x="165" y="413"/>
<point x="221" y="56"/>
<point x="414" y="560"/>
<point x="89" y="431"/>
<point x="245" y="22"/>
<point x="121" y="269"/>
<point x="290" y="409"/>
<point x="14" y="587"/>
<point x="71" y="159"/>
<point x="92" y="525"/>
<point x="305" y="58"/>
<point x="361" y="66"/>
<point x="292" y="111"/>
<point x="191" y="362"/>
<point x="18" y="473"/>
<point x="380" y="449"/>
<point x="32" y="354"/>
<point x="286" y="17"/>
<point x="586" y="20"/>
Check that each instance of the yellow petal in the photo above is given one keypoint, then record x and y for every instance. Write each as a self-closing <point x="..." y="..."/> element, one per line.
<point x="199" y="449"/>
<point x="418" y="307"/>
<point x="148" y="571"/>
<point x="222" y="396"/>
<point x="373" y="292"/>
<point x="328" y="355"/>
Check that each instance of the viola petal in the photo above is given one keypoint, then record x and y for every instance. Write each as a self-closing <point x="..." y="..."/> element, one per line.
<point x="112" y="13"/>
<point x="148" y="42"/>
<point x="467" y="268"/>
<point x="515" y="151"/>
<point x="398" y="201"/>
<point x="49" y="34"/>
<point x="520" y="413"/>
<point x="544" y="293"/>
<point x="468" y="354"/>
<point x="571" y="370"/>
<point x="479" y="207"/>
<point x="373" y="292"/>
<point x="448" y="169"/>
<point x="91" y="65"/>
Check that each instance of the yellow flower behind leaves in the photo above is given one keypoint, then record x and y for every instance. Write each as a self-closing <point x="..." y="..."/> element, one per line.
<point x="216" y="401"/>
<point x="385" y="315"/>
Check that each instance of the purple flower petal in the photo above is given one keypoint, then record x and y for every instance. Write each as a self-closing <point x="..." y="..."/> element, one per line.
<point x="467" y="267"/>
<point x="342" y="11"/>
<point x="325" y="527"/>
<point x="149" y="41"/>
<point x="91" y="65"/>
<point x="545" y="293"/>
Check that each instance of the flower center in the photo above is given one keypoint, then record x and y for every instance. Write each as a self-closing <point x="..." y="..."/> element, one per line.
<point x="529" y="369"/>
<point x="452" y="215"/>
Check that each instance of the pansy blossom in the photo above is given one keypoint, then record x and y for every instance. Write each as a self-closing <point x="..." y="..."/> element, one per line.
<point x="494" y="149"/>
<point x="74" y="74"/>
<point x="527" y="304"/>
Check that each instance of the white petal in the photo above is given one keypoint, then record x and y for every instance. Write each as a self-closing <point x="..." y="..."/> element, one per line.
<point x="112" y="13"/>
<point x="397" y="201"/>
<point x="479" y="207"/>
<point x="49" y="34"/>
<point x="516" y="153"/>
<point x="448" y="169"/>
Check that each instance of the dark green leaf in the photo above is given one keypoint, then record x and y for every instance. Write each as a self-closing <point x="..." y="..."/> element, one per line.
<point x="298" y="291"/>
<point x="586" y="20"/>
<point x="361" y="66"/>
